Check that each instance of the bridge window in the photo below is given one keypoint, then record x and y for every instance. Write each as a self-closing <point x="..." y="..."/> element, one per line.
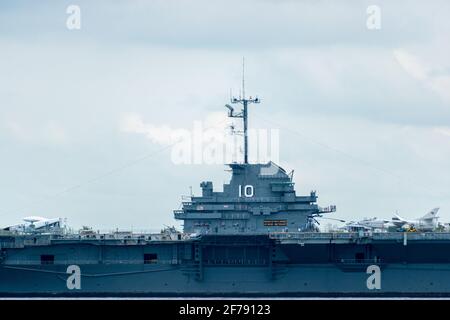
<point x="47" y="259"/>
<point x="150" y="258"/>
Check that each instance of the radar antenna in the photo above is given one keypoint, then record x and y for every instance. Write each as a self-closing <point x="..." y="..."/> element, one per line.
<point x="244" y="112"/>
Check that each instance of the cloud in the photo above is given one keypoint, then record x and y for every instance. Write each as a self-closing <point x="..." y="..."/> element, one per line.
<point x="47" y="133"/>
<point x="411" y="64"/>
<point x="17" y="130"/>
<point x="425" y="72"/>
<point x="164" y="134"/>
<point x="159" y="134"/>
<point x="223" y="24"/>
<point x="443" y="131"/>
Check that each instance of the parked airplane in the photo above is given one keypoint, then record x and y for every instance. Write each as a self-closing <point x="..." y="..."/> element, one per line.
<point x="428" y="222"/>
<point x="35" y="224"/>
<point x="372" y="224"/>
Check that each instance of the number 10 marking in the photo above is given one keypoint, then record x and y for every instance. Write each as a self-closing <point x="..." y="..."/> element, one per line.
<point x="248" y="191"/>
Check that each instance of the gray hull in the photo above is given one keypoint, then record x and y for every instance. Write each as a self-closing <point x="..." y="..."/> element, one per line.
<point x="160" y="280"/>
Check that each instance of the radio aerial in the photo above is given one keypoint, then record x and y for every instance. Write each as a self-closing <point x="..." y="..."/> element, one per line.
<point x="243" y="113"/>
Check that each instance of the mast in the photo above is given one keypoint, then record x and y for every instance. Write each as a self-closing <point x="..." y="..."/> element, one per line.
<point x="244" y="112"/>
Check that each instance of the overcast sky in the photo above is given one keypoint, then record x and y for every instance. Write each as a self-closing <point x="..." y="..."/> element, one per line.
<point x="364" y="115"/>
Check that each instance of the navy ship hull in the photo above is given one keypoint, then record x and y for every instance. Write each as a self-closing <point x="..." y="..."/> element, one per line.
<point x="234" y="266"/>
<point x="299" y="281"/>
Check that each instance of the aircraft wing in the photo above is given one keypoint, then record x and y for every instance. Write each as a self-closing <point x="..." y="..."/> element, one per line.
<point x="398" y="221"/>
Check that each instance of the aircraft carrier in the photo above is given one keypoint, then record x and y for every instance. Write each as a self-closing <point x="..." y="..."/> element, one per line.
<point x="257" y="237"/>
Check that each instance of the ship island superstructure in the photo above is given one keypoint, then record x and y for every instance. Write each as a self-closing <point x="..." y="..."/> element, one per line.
<point x="260" y="198"/>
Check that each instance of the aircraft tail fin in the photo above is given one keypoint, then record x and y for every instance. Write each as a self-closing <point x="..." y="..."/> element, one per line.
<point x="431" y="215"/>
